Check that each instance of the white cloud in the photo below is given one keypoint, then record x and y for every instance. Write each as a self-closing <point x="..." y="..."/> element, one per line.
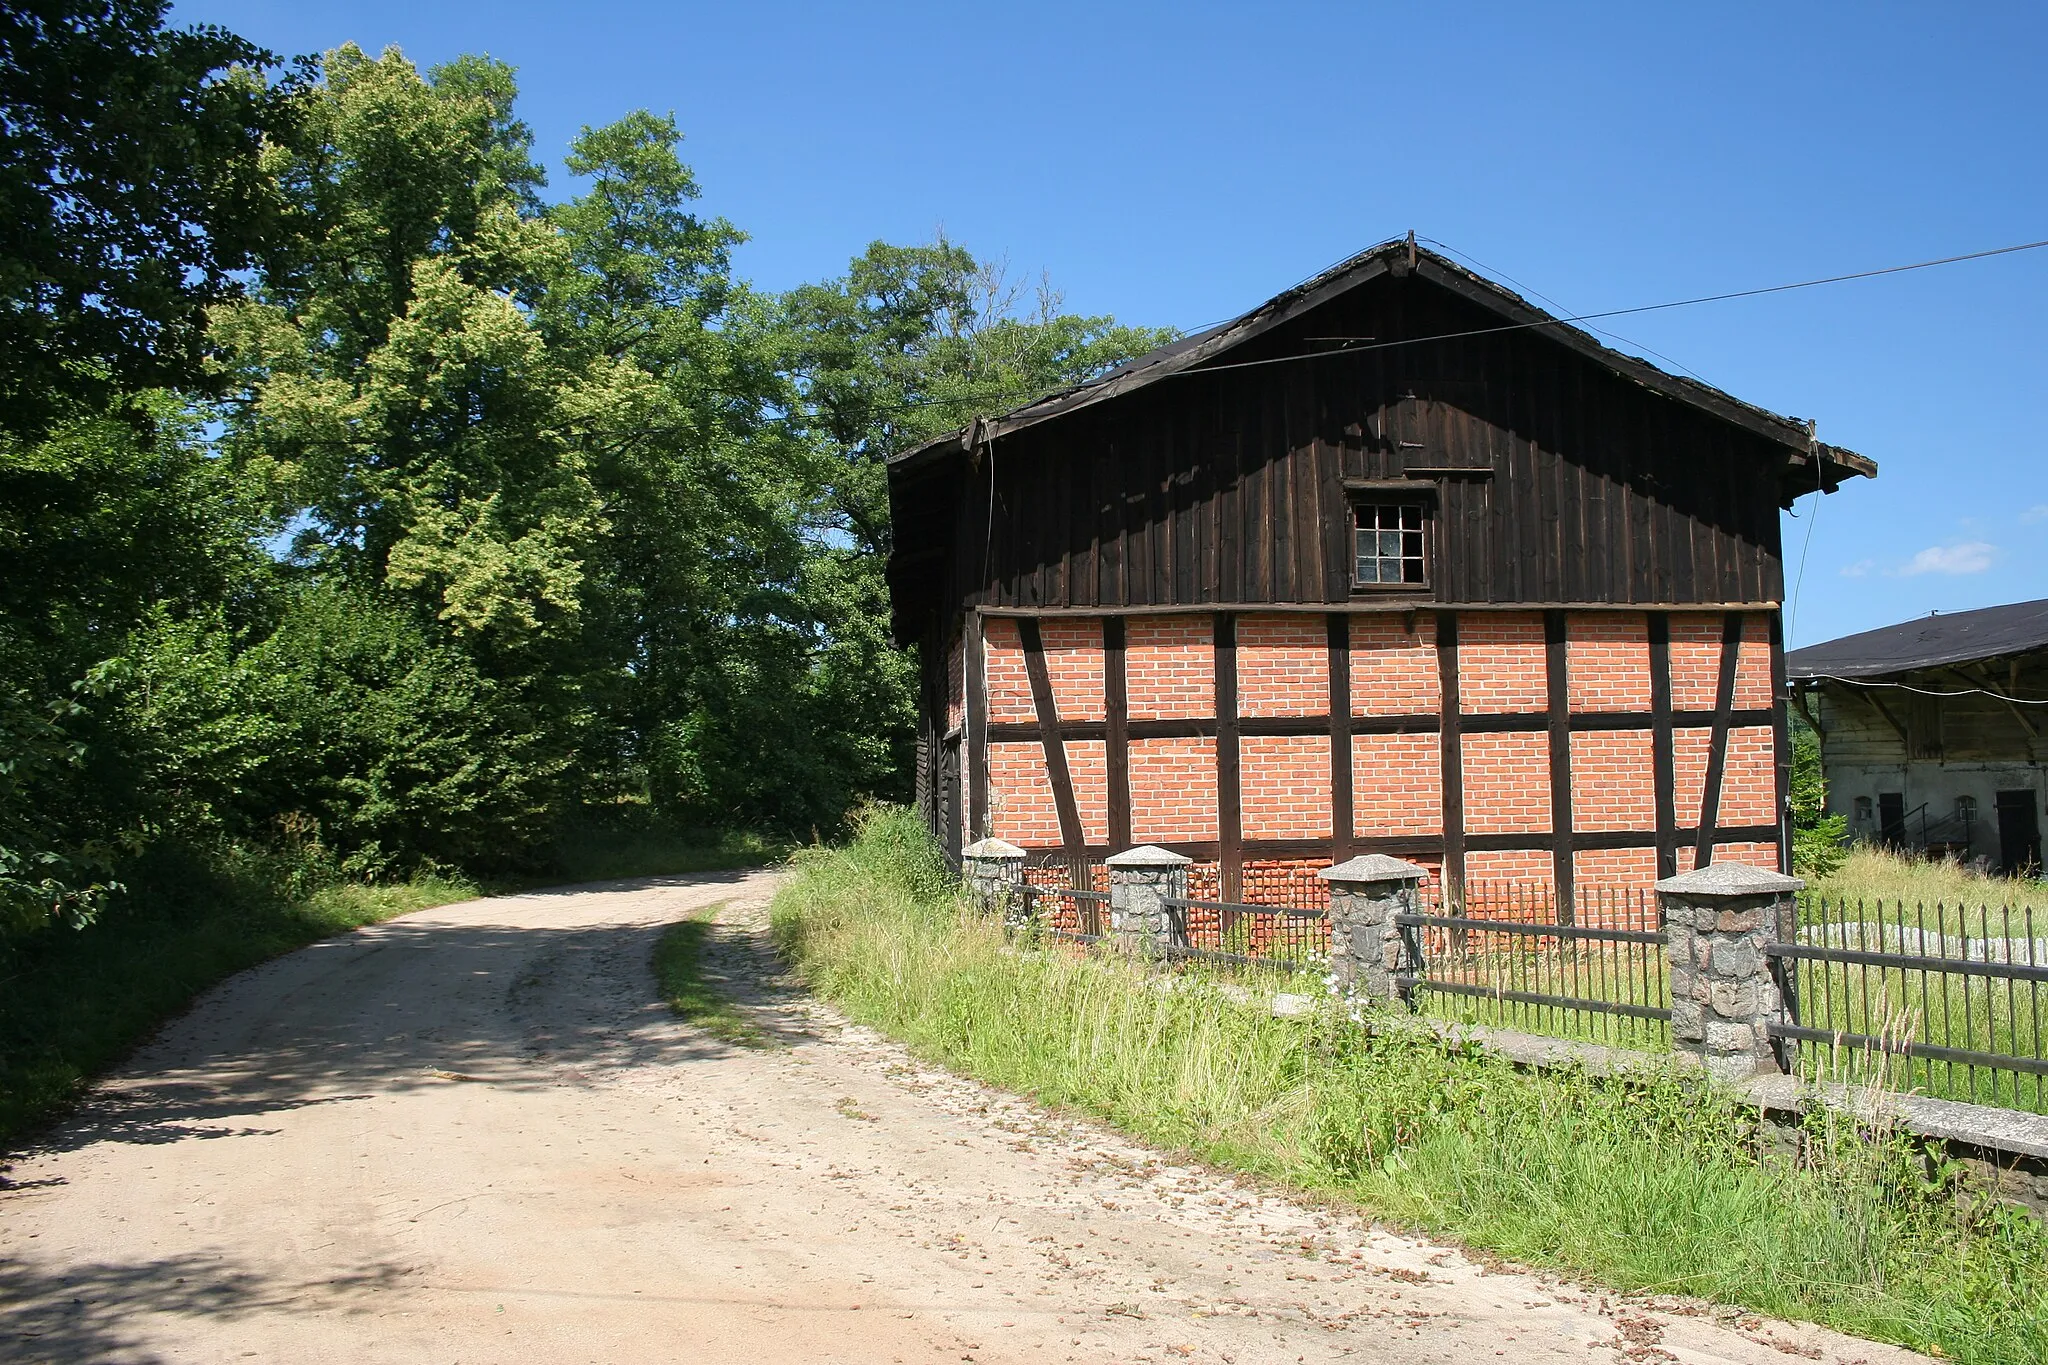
<point x="2038" y="512"/>
<point x="1859" y="569"/>
<point x="1972" y="556"/>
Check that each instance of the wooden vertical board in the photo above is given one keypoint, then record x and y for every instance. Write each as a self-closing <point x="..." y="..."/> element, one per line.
<point x="1303" y="445"/>
<point x="1717" y="750"/>
<point x="1343" y="820"/>
<point x="976" y="688"/>
<point x="1662" y="762"/>
<point x="1107" y="497"/>
<point x="1229" y="498"/>
<point x="1229" y="789"/>
<point x="1781" y="742"/>
<point x="1251" y="523"/>
<point x="1071" y="836"/>
<point x="1555" y="657"/>
<point x="1280" y="473"/>
<point x="1116" y="711"/>
<point x="1451" y="749"/>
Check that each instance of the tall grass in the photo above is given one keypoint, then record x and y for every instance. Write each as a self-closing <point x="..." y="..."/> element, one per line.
<point x="1877" y="874"/>
<point x="1654" y="1184"/>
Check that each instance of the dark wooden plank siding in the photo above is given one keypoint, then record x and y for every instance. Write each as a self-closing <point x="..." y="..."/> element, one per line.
<point x="1228" y="487"/>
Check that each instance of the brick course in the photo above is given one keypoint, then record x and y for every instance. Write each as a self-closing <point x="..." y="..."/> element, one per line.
<point x="1507" y="783"/>
<point x="1607" y="661"/>
<point x="1393" y="670"/>
<point x="1396" y="785"/>
<point x="1501" y="662"/>
<point x="1283" y="667"/>
<point x="1170" y="668"/>
<point x="1173" y="790"/>
<point x="1285" y="786"/>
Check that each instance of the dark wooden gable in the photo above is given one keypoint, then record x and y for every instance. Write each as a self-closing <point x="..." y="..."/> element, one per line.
<point x="1233" y="485"/>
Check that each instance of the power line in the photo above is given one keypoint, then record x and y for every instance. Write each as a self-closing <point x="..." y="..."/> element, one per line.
<point x="1625" y="312"/>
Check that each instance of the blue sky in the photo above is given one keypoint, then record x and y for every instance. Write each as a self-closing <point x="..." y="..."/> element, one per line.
<point x="1179" y="163"/>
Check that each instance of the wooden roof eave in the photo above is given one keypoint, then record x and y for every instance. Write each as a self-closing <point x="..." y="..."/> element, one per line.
<point x="1393" y="257"/>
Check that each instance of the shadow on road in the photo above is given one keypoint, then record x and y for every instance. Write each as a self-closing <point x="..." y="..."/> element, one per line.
<point x="413" y="1003"/>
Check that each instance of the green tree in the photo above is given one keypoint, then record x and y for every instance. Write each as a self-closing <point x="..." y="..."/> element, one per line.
<point x="1819" y="840"/>
<point x="130" y="195"/>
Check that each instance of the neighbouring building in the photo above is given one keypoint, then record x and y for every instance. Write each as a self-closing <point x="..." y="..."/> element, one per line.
<point x="1932" y="731"/>
<point x="1396" y="562"/>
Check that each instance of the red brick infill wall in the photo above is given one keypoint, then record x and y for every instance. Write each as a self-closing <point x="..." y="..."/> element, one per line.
<point x="1283" y="670"/>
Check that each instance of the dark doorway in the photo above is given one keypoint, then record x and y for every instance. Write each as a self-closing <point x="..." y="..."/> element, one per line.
<point x="949" y="797"/>
<point x="2019" y="833"/>
<point x="1891" y="819"/>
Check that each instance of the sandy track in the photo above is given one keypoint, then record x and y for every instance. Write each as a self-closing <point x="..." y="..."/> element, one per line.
<point x="471" y="1135"/>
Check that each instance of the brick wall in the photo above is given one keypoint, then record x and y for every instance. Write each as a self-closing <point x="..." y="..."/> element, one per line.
<point x="1507" y="783"/>
<point x="1607" y="661"/>
<point x="1283" y="671"/>
<point x="1393" y="668"/>
<point x="1173" y="790"/>
<point x="1396" y="785"/>
<point x="1170" y="668"/>
<point x="1284" y="785"/>
<point x="1501" y="663"/>
<point x="1073" y="664"/>
<point x="1614" y="782"/>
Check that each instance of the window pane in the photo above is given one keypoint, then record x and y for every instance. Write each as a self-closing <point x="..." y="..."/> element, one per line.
<point x="1368" y="570"/>
<point x="1411" y="517"/>
<point x="1390" y="543"/>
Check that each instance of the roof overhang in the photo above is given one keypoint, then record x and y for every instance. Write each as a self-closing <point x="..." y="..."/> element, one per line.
<point x="1810" y="463"/>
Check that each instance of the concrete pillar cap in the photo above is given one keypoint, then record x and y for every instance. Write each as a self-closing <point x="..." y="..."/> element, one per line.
<point x="992" y="848"/>
<point x="1730" y="880"/>
<point x="1374" y="867"/>
<point x="1147" y="855"/>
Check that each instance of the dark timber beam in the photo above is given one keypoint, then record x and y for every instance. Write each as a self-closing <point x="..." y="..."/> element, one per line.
<point x="1229" y="776"/>
<point x="1116" y="732"/>
<point x="1556" y="658"/>
<point x="1343" y="820"/>
<point x="1662" y="763"/>
<point x="1451" y="757"/>
<point x="975" y="684"/>
<point x="1781" y="742"/>
<point x="1049" y="733"/>
<point x="1717" y="748"/>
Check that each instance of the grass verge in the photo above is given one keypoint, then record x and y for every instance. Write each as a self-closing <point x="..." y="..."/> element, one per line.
<point x="679" y="969"/>
<point x="1655" y="1185"/>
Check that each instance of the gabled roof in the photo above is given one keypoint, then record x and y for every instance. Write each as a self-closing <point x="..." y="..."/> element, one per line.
<point x="1403" y="257"/>
<point x="1953" y="638"/>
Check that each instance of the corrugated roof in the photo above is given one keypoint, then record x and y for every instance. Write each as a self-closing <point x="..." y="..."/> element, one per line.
<point x="1947" y="638"/>
<point x="1403" y="256"/>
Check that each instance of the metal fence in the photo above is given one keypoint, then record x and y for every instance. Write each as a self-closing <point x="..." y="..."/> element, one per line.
<point x="1945" y="999"/>
<point x="1068" y="898"/>
<point x="1502" y="956"/>
<point x="1238" y="934"/>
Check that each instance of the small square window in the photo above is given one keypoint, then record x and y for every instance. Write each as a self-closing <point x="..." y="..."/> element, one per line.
<point x="1389" y="544"/>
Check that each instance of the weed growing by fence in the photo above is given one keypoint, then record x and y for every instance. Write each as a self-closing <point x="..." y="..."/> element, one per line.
<point x="1653" y="1185"/>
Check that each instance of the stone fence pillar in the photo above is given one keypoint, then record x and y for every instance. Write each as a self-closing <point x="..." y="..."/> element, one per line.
<point x="994" y="871"/>
<point x="1718" y="921"/>
<point x="1365" y="943"/>
<point x="1140" y="880"/>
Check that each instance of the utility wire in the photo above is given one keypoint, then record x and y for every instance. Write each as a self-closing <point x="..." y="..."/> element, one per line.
<point x="1625" y="312"/>
<point x="1930" y="692"/>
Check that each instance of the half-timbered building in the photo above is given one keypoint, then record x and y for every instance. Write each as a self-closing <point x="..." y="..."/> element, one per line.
<point x="1395" y="562"/>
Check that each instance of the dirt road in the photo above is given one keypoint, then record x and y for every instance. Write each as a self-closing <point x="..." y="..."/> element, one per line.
<point x="472" y="1135"/>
